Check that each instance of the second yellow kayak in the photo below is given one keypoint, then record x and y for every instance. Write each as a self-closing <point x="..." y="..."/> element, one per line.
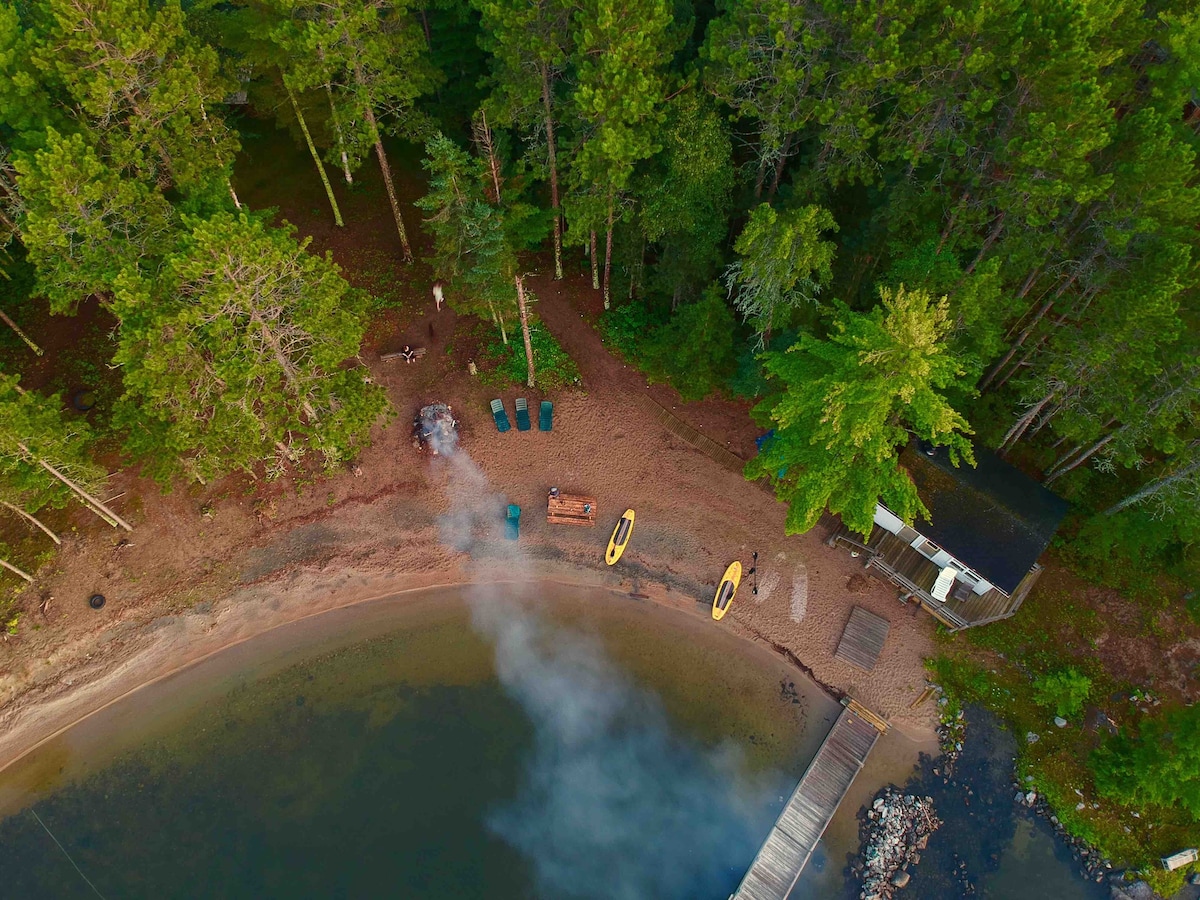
<point x="620" y="538"/>
<point x="726" y="590"/>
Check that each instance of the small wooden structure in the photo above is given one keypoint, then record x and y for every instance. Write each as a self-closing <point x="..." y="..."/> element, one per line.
<point x="862" y="640"/>
<point x="571" y="509"/>
<point x="1180" y="859"/>
<point x="790" y="844"/>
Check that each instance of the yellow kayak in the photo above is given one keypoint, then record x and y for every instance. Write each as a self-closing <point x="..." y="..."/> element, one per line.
<point x="620" y="538"/>
<point x="726" y="589"/>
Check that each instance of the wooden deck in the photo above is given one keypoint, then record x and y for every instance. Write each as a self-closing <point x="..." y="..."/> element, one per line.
<point x="915" y="574"/>
<point x="862" y="640"/>
<point x="791" y="842"/>
<point x="571" y="509"/>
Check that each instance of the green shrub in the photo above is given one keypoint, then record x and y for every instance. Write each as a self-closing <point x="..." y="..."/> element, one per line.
<point x="1160" y="765"/>
<point x="694" y="351"/>
<point x="552" y="367"/>
<point x="1064" y="691"/>
<point x="627" y="329"/>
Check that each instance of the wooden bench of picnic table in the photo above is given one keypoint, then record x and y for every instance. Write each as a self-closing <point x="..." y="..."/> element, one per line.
<point x="415" y="353"/>
<point x="571" y="509"/>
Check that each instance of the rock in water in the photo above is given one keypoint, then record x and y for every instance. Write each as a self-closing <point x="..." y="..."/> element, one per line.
<point x="895" y="829"/>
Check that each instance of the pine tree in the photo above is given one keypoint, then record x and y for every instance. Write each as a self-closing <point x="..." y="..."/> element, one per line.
<point x="475" y="241"/>
<point x="684" y="198"/>
<point x="372" y="57"/>
<point x="621" y="56"/>
<point x="44" y="459"/>
<point x="767" y="61"/>
<point x="784" y="264"/>
<point x="84" y="223"/>
<point x="530" y="44"/>
<point x="235" y="354"/>
<point x="845" y="406"/>
<point x="140" y="87"/>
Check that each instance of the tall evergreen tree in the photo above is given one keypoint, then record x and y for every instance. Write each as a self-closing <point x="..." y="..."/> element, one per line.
<point x="530" y="45"/>
<point x="372" y="57"/>
<point x="140" y="86"/>
<point x="234" y="355"/>
<point x="84" y="223"/>
<point x="621" y="56"/>
<point x="844" y="407"/>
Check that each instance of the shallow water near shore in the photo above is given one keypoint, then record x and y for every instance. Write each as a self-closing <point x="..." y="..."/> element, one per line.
<point x="988" y="847"/>
<point x="379" y="752"/>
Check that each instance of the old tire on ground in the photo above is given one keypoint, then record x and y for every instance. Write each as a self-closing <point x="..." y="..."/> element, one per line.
<point x="96" y="601"/>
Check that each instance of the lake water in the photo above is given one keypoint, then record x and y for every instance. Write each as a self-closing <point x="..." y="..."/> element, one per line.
<point x="572" y="744"/>
<point x="584" y="745"/>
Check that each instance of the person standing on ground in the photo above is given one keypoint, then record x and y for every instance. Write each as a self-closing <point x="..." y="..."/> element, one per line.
<point x="437" y="295"/>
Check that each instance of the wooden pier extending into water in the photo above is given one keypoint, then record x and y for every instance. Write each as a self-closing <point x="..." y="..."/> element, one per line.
<point x="788" y="847"/>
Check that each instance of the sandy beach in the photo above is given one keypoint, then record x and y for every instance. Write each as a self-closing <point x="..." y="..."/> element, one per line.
<point x="213" y="566"/>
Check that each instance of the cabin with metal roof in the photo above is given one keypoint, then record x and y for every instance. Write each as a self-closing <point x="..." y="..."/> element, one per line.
<point x="975" y="559"/>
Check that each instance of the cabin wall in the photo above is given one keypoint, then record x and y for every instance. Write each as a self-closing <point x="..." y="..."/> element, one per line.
<point x="889" y="521"/>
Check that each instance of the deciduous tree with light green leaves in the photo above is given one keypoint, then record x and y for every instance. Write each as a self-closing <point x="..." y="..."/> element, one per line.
<point x="784" y="264"/>
<point x="847" y="405"/>
<point x="235" y="355"/>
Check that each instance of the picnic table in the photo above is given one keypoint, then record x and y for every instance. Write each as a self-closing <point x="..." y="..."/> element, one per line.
<point x="571" y="509"/>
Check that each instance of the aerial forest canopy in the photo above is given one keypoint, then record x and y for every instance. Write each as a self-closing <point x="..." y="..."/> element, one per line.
<point x="973" y="224"/>
<point x="989" y="208"/>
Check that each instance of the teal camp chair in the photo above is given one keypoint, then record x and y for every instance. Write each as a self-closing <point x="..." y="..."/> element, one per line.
<point x="546" y="420"/>
<point x="522" y="414"/>
<point x="501" y="417"/>
<point x="512" y="522"/>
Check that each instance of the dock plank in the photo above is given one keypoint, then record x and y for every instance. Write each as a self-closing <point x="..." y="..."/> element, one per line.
<point x="791" y="842"/>
<point x="862" y="639"/>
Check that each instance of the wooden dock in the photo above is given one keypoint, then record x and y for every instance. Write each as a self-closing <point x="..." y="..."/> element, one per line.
<point x="571" y="509"/>
<point x="788" y="847"/>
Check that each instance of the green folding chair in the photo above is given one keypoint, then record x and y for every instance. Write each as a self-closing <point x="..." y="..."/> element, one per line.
<point x="512" y="522"/>
<point x="522" y="414"/>
<point x="546" y="419"/>
<point x="501" y="417"/>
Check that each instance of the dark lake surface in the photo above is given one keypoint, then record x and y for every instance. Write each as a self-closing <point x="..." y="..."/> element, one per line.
<point x="578" y="745"/>
<point x="604" y="749"/>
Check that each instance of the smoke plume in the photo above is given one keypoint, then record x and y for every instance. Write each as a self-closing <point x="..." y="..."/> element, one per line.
<point x="613" y="803"/>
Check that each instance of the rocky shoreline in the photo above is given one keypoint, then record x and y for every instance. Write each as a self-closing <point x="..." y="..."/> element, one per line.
<point x="894" y="831"/>
<point x="1092" y="866"/>
<point x="972" y="788"/>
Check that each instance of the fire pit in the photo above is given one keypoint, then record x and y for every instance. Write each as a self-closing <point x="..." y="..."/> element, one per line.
<point x="435" y="429"/>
